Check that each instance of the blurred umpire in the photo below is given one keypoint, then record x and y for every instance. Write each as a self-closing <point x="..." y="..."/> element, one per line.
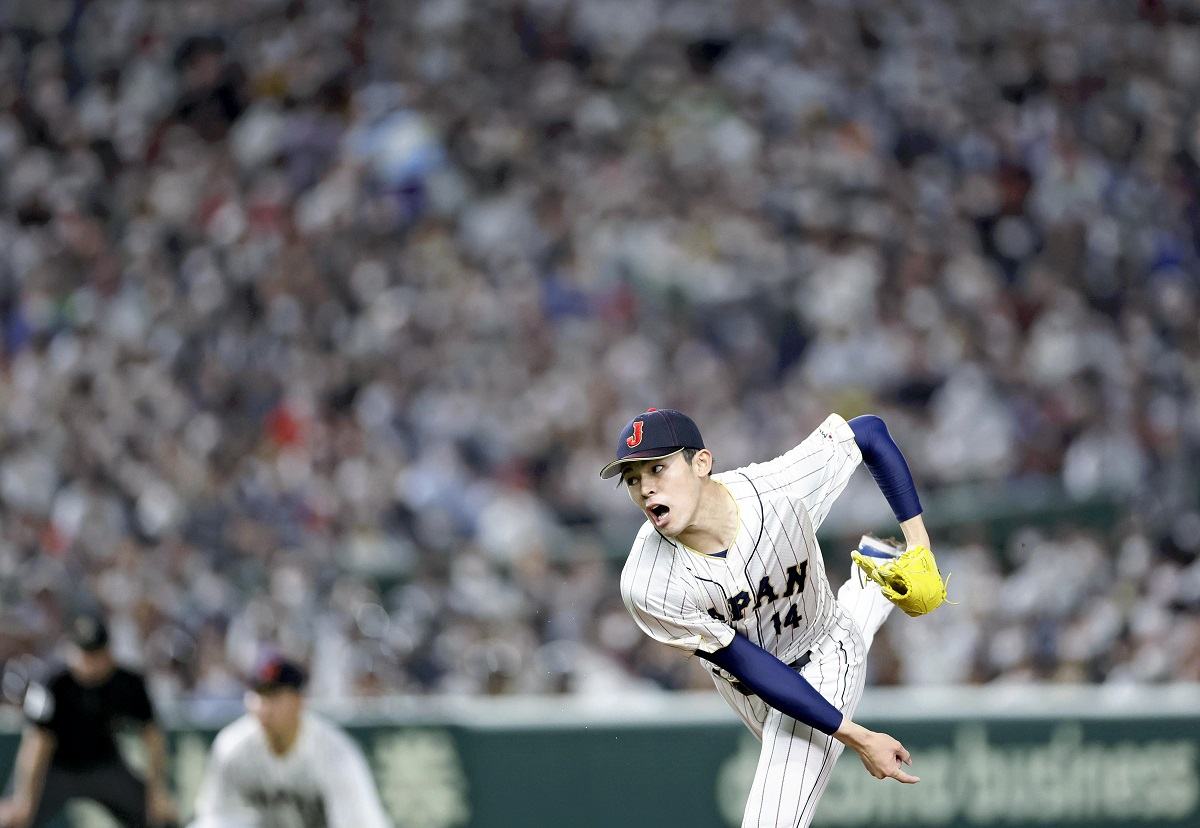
<point x="68" y="748"/>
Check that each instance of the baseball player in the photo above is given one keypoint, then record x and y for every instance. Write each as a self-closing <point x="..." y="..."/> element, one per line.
<point x="727" y="567"/>
<point x="280" y="766"/>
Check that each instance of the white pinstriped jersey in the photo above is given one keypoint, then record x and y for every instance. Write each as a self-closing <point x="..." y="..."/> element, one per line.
<point x="771" y="585"/>
<point x="323" y="781"/>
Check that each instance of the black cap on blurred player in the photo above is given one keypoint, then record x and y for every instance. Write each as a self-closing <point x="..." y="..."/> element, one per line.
<point x="87" y="632"/>
<point x="658" y="432"/>
<point x="278" y="673"/>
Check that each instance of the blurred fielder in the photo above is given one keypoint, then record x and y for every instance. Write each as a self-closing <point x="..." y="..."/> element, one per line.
<point x="727" y="567"/>
<point x="280" y="766"/>
<point x="68" y="748"/>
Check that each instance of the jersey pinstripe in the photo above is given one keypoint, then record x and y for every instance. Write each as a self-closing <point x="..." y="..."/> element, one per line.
<point x="771" y="586"/>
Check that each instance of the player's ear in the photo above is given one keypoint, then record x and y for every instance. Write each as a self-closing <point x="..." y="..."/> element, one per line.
<point x="702" y="463"/>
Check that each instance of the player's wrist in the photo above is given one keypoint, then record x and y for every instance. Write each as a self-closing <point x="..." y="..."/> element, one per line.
<point x="915" y="533"/>
<point x="851" y="734"/>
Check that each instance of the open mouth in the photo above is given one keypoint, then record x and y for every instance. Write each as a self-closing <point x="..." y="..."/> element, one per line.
<point x="658" y="513"/>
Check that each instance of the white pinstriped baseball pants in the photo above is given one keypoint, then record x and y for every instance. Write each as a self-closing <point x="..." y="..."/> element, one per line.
<point x="796" y="760"/>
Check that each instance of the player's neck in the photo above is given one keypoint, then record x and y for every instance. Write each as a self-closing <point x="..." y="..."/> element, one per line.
<point x="715" y="525"/>
<point x="281" y="743"/>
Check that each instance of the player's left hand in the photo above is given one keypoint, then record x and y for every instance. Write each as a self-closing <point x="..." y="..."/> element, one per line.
<point x="160" y="808"/>
<point x="911" y="580"/>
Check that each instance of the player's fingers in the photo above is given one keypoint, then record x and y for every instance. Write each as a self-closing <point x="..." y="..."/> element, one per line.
<point x="905" y="777"/>
<point x="904" y="755"/>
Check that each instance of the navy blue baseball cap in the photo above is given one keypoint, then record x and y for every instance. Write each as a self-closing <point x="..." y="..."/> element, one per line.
<point x="659" y="432"/>
<point x="278" y="673"/>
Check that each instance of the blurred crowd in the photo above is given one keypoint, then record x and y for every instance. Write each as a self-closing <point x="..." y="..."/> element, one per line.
<point x="320" y="319"/>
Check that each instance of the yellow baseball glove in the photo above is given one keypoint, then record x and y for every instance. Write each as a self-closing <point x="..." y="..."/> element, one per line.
<point x="908" y="579"/>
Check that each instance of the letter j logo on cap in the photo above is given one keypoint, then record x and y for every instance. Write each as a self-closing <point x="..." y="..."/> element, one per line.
<point x="633" y="440"/>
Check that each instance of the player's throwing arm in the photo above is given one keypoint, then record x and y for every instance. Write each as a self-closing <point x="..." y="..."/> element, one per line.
<point x="727" y="566"/>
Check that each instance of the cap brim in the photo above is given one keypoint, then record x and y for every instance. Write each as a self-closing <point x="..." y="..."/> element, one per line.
<point x="614" y="468"/>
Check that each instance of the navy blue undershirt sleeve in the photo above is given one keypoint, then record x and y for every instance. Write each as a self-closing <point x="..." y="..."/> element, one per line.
<point x="887" y="465"/>
<point x="776" y="683"/>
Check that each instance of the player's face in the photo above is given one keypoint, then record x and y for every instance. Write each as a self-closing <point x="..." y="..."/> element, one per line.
<point x="278" y="711"/>
<point x="668" y="490"/>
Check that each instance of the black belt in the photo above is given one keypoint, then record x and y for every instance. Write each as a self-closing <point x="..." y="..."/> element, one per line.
<point x="798" y="664"/>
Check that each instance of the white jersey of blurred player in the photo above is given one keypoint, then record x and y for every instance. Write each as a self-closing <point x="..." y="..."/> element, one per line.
<point x="771" y="587"/>
<point x="322" y="782"/>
